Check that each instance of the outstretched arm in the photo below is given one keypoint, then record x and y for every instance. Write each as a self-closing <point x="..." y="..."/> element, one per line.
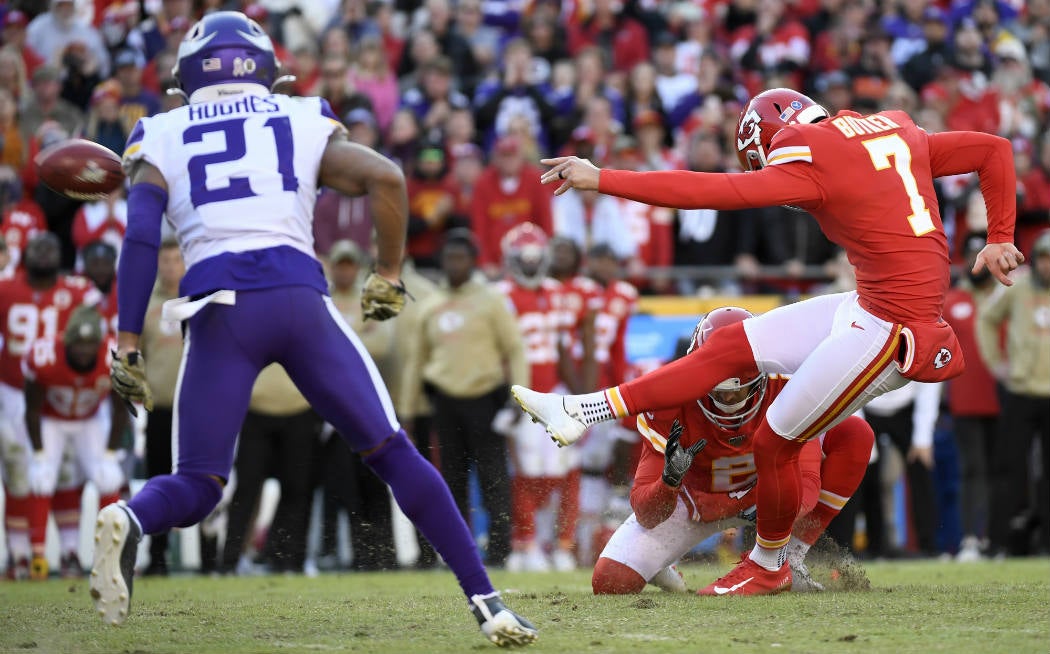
<point x="991" y="157"/>
<point x="137" y="270"/>
<point x="354" y="170"/>
<point x="684" y="189"/>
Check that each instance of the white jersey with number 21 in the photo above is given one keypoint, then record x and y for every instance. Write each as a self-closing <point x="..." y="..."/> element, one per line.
<point x="241" y="173"/>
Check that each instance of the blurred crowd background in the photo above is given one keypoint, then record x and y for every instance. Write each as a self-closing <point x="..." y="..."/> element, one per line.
<point x="467" y="96"/>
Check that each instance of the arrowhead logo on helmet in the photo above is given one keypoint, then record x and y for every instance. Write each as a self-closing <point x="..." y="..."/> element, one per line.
<point x="766" y="114"/>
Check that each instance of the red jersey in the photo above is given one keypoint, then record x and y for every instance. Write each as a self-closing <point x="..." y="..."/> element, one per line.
<point x="27" y="315"/>
<point x="68" y="394"/>
<point x="579" y="297"/>
<point x="98" y="221"/>
<point x="22" y="221"/>
<point x="972" y="393"/>
<point x="497" y="207"/>
<point x="652" y="229"/>
<point x="725" y="467"/>
<point x="107" y="306"/>
<point x="541" y="321"/>
<point x="618" y="301"/>
<point x="869" y="183"/>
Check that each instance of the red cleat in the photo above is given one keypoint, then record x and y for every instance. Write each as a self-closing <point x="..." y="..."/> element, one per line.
<point x="749" y="578"/>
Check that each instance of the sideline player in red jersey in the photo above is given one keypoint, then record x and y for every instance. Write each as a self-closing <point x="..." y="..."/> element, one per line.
<point x="607" y="446"/>
<point x="67" y="379"/>
<point x="697" y="470"/>
<point x="580" y="300"/>
<point x="868" y="181"/>
<point x="540" y="468"/>
<point x="35" y="304"/>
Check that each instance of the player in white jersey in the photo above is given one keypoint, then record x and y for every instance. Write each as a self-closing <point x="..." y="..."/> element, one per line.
<point x="236" y="172"/>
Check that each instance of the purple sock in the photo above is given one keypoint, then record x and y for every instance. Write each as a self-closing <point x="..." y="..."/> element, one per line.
<point x="425" y="499"/>
<point x="179" y="500"/>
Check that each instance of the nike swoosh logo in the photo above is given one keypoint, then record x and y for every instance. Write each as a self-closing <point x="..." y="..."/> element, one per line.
<point x="722" y="591"/>
<point x="855" y="325"/>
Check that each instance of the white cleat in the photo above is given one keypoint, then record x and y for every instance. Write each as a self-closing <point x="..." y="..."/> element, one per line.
<point x="560" y="414"/>
<point x="670" y="580"/>
<point x="499" y="624"/>
<point x="112" y="571"/>
<point x="563" y="560"/>
<point x="802" y="581"/>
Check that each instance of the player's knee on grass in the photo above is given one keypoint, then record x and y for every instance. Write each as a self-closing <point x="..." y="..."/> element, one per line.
<point x="614" y="578"/>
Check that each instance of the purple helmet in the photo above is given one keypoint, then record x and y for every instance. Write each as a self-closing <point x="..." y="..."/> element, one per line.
<point x="224" y="48"/>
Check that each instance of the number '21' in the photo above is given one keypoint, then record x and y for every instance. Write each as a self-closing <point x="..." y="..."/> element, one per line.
<point x="236" y="148"/>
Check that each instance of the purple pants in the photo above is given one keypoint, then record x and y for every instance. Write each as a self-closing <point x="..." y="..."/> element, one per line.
<point x="298" y="327"/>
<point x="227" y="347"/>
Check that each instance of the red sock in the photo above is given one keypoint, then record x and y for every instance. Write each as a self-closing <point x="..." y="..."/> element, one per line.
<point x="726" y="353"/>
<point x="614" y="578"/>
<point x="847" y="450"/>
<point x="106" y="500"/>
<point x="66" y="507"/>
<point x="37" y="508"/>
<point x="779" y="489"/>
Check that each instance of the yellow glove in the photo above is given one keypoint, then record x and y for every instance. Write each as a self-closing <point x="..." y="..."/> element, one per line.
<point x="381" y="299"/>
<point x="129" y="380"/>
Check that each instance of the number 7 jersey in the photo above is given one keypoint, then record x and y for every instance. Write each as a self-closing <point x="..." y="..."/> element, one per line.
<point x="879" y="203"/>
<point x="868" y="180"/>
<point x="241" y="173"/>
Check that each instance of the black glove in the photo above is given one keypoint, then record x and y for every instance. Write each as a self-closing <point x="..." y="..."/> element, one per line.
<point x="677" y="460"/>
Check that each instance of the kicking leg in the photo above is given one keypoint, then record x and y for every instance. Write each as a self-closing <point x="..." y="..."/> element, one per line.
<point x="775" y="342"/>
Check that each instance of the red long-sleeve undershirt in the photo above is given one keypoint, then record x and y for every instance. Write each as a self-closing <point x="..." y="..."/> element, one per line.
<point x="991" y="157"/>
<point x="684" y="189"/>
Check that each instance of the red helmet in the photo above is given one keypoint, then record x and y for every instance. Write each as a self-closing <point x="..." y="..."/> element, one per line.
<point x="734" y="401"/>
<point x="766" y="114"/>
<point x="525" y="254"/>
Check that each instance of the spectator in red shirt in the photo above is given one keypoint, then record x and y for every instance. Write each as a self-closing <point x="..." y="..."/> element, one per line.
<point x="508" y="193"/>
<point x="972" y="401"/>
<point x="623" y="40"/>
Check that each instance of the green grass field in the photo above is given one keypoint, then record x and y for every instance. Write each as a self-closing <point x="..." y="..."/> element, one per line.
<point x="912" y="607"/>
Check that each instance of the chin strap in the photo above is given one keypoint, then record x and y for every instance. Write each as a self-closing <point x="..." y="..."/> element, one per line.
<point x="283" y="79"/>
<point x="179" y="92"/>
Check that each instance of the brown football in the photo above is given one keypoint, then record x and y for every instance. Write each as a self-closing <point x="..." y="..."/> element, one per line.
<point x="80" y="169"/>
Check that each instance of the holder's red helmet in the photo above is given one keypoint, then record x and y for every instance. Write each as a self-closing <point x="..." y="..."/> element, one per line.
<point x="766" y="114"/>
<point x="734" y="401"/>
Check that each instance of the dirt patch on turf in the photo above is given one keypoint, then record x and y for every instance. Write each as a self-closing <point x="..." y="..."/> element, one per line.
<point x="836" y="568"/>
